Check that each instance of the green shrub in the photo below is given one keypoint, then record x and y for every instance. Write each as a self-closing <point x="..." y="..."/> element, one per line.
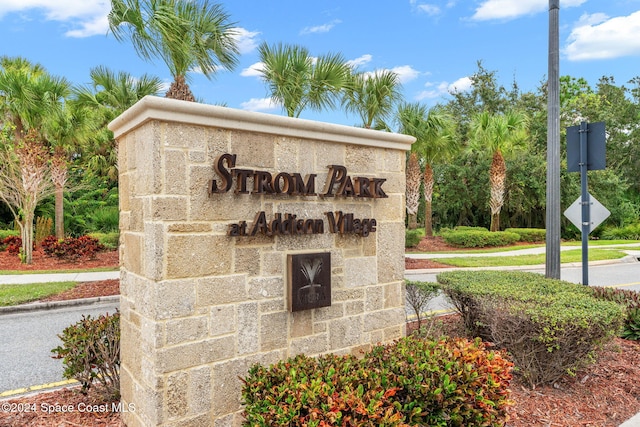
<point x="90" y="351"/>
<point x="8" y="233"/>
<point x="549" y="327"/>
<point x="108" y="240"/>
<point x="412" y="238"/>
<point x="479" y="238"/>
<point x="630" y="300"/>
<point x="449" y="382"/>
<point x="631" y="330"/>
<point x="630" y="232"/>
<point x="105" y="219"/>
<point x="410" y="382"/>
<point x="72" y="248"/>
<point x="418" y="295"/>
<point x="330" y="390"/>
<point x="529" y="234"/>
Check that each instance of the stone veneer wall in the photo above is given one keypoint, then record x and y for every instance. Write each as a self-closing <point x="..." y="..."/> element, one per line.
<point x="198" y="308"/>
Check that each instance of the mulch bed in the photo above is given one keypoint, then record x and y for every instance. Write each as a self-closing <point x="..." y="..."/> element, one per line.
<point x="99" y="288"/>
<point x="604" y="394"/>
<point x="43" y="262"/>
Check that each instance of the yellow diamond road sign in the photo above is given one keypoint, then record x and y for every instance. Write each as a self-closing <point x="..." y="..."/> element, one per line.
<point x="597" y="213"/>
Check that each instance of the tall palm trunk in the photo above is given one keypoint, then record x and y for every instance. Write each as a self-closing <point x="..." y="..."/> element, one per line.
<point x="413" y="190"/>
<point x="59" y="178"/>
<point x="427" y="190"/>
<point x="497" y="178"/>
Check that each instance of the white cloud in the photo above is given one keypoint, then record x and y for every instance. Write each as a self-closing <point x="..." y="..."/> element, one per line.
<point x="254" y="70"/>
<point x="99" y="25"/>
<point x="88" y="17"/>
<point x="437" y="90"/>
<point x="362" y="60"/>
<point x="325" y="28"/>
<point x="260" y="104"/>
<point x="429" y="9"/>
<point x="405" y="73"/>
<point x="247" y="40"/>
<point x="596" y="37"/>
<point x="463" y="84"/>
<point x="511" y="9"/>
<point x="433" y="91"/>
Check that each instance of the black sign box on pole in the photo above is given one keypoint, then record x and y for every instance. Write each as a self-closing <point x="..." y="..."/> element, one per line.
<point x="596" y="147"/>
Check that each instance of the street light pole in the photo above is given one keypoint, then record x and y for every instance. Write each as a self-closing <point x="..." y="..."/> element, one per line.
<point x="552" y="266"/>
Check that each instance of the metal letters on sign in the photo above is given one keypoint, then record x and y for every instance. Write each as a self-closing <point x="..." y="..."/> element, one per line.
<point x="598" y="213"/>
<point x="309" y="281"/>
<point x="596" y="147"/>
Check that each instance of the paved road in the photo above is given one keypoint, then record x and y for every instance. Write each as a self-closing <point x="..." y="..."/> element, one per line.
<point x="26" y="340"/>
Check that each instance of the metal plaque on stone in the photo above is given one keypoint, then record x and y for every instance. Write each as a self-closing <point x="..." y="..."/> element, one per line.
<point x="309" y="277"/>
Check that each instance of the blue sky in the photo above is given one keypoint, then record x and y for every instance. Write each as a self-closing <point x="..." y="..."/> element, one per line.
<point x="434" y="45"/>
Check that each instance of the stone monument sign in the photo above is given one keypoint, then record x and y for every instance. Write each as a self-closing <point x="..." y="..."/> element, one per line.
<point x="249" y="238"/>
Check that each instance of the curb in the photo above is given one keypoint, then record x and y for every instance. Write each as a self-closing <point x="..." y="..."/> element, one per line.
<point x="632" y="422"/>
<point x="34" y="306"/>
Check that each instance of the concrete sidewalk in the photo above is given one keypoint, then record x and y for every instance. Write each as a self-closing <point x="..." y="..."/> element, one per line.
<point x="16" y="279"/>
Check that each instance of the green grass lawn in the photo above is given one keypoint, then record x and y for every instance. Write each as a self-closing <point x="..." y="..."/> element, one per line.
<point x="20" y="294"/>
<point x="574" y="255"/>
<point x="592" y="243"/>
<point x="601" y="242"/>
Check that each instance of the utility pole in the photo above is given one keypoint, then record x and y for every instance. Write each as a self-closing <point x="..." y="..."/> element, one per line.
<point x="552" y="266"/>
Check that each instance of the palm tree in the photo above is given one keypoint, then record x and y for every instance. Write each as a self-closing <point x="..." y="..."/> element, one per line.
<point x="66" y="131"/>
<point x="184" y="34"/>
<point x="373" y="97"/>
<point x="108" y="96"/>
<point x="298" y="81"/>
<point x="433" y="130"/>
<point x="413" y="190"/>
<point x="115" y="91"/>
<point x="17" y="99"/>
<point x="498" y="135"/>
<point x="29" y="98"/>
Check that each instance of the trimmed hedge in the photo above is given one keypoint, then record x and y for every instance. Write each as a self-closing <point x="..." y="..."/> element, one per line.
<point x="474" y="238"/>
<point x="532" y="235"/>
<point x="549" y="327"/>
<point x="452" y="382"/>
